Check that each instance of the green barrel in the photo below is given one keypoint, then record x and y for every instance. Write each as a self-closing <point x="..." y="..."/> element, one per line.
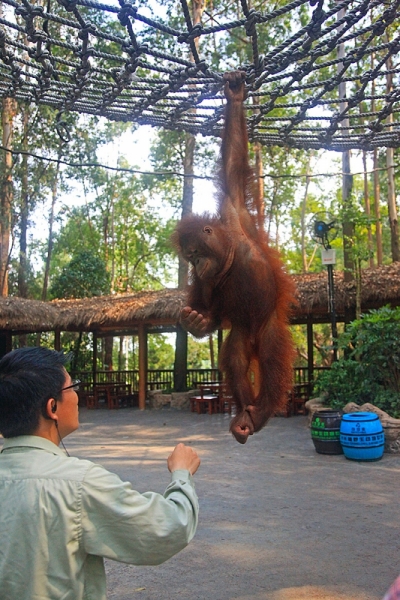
<point x="325" y="431"/>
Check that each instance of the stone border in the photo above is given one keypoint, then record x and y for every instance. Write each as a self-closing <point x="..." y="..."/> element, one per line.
<point x="177" y="400"/>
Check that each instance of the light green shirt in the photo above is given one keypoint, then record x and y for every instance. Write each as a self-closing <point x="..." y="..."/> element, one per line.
<point x="59" y="516"/>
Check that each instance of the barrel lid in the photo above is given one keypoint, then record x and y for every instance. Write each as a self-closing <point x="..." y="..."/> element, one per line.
<point x="360" y="416"/>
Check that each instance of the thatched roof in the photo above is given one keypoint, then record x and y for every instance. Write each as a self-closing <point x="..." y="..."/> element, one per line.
<point x="26" y="315"/>
<point x="123" y="310"/>
<point x="379" y="286"/>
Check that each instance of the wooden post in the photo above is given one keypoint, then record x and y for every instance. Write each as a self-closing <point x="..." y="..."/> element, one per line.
<point x="220" y="334"/>
<point x="211" y="345"/>
<point x="220" y="338"/>
<point x="142" y="365"/>
<point x="57" y="340"/>
<point x="180" y="364"/>
<point x="94" y="364"/>
<point x="5" y="343"/>
<point x="310" y="349"/>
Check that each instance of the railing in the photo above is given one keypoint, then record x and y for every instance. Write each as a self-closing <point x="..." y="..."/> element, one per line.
<point x="194" y="377"/>
<point x="300" y="375"/>
<point x="160" y="379"/>
<point x="156" y="378"/>
<point x="164" y="378"/>
<point x="131" y="377"/>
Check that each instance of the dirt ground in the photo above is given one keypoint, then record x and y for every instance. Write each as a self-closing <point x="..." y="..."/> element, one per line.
<point x="277" y="520"/>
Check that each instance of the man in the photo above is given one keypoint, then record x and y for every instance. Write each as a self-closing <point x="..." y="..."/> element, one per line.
<point x="60" y="516"/>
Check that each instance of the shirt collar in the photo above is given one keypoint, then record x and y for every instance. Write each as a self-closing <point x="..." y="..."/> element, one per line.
<point x="31" y="441"/>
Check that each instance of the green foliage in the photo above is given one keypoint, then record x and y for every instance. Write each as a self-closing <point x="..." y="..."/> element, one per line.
<point x="85" y="276"/>
<point x="161" y="353"/>
<point x="199" y="352"/>
<point x="343" y="383"/>
<point x="123" y="229"/>
<point x="167" y="155"/>
<point x="33" y="284"/>
<point x="369" y="368"/>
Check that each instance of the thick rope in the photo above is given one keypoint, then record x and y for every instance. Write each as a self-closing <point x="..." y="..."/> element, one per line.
<point x="121" y="62"/>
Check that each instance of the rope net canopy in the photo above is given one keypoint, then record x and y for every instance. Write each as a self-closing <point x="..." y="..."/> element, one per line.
<point x="319" y="74"/>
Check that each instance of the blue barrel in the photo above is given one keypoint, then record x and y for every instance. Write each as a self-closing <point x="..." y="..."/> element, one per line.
<point x="362" y="436"/>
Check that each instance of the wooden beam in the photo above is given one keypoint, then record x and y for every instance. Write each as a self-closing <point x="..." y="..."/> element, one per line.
<point x="5" y="343"/>
<point x="142" y="366"/>
<point x="57" y="340"/>
<point x="94" y="363"/>
<point x="310" y="349"/>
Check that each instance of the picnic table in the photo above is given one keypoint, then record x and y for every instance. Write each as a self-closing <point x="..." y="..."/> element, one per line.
<point x="110" y="395"/>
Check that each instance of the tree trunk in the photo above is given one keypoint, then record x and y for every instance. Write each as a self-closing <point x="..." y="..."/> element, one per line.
<point x="23" y="263"/>
<point x="377" y="193"/>
<point x="393" y="222"/>
<point x="112" y="277"/>
<point x="303" y="215"/>
<point x="348" y="227"/>
<point x="368" y="211"/>
<point x="180" y="364"/>
<point x="121" y="353"/>
<point x="187" y="198"/>
<point x="54" y="190"/>
<point x="8" y="112"/>
<point x="77" y="348"/>
<point x="259" y="184"/>
<point x="347" y="178"/>
<point x="358" y="287"/>
<point x="259" y="174"/>
<point x="377" y="211"/>
<point x="108" y="353"/>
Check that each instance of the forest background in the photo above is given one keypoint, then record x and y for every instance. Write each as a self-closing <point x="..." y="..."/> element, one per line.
<point x="88" y="206"/>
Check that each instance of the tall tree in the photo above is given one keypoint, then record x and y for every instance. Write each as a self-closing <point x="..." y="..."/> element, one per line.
<point x="181" y="347"/>
<point x="7" y="116"/>
<point x="393" y="220"/>
<point x="50" y="239"/>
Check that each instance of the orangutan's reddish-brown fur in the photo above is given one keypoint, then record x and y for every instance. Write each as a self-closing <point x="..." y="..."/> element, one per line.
<point x="238" y="282"/>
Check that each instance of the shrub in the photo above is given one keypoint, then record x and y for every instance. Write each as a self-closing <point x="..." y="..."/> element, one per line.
<point x="369" y="367"/>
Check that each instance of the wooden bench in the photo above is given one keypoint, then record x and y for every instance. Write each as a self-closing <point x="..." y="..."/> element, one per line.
<point x="298" y="397"/>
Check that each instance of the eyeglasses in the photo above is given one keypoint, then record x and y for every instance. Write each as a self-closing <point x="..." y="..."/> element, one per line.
<point x="74" y="386"/>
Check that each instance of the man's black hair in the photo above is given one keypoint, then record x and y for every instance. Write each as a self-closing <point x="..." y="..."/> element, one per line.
<point x="29" y="377"/>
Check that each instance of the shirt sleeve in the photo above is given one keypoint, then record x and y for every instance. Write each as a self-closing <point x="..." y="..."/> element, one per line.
<point x="141" y="529"/>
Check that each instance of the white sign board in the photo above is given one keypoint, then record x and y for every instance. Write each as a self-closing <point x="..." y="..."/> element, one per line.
<point x="328" y="257"/>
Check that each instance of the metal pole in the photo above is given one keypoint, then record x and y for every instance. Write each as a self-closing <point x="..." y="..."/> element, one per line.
<point x="331" y="306"/>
